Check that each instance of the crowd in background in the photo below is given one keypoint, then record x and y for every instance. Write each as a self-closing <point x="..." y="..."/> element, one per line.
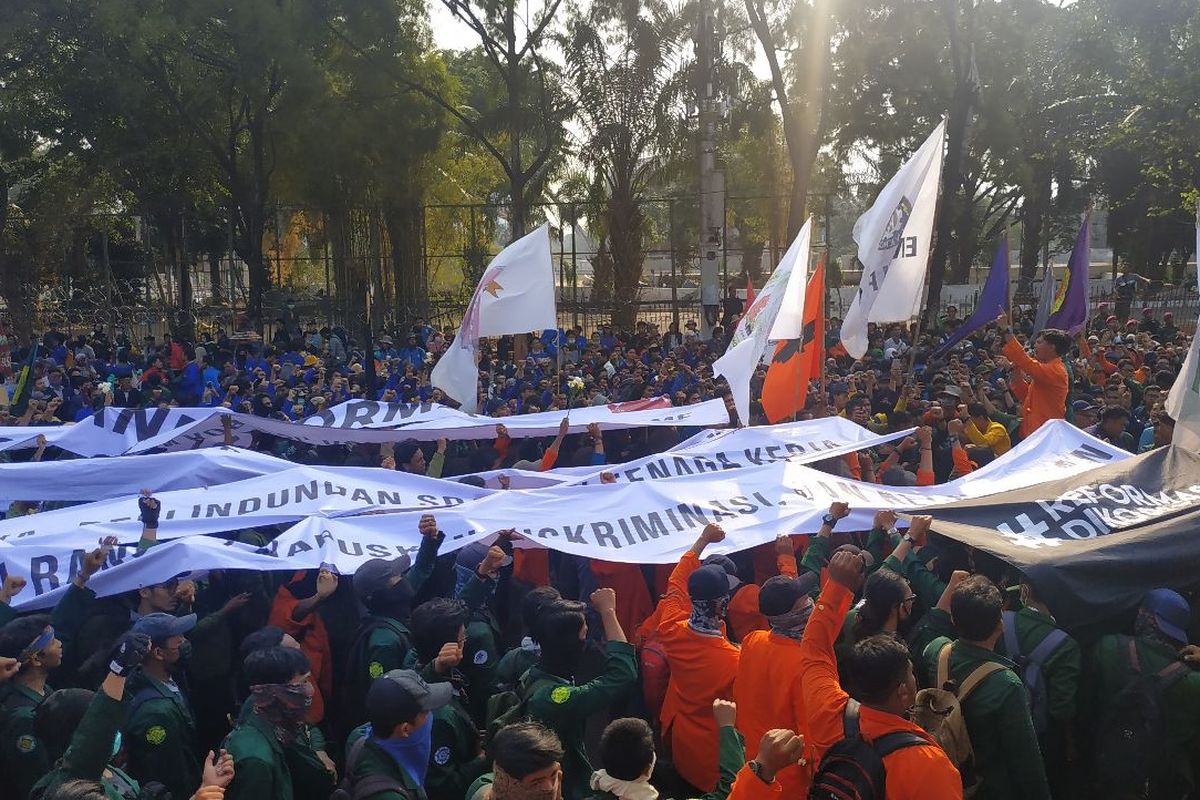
<point x="500" y="673"/>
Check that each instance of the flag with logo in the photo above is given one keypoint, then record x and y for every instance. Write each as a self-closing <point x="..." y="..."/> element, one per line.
<point x="515" y="295"/>
<point x="1070" y="309"/>
<point x="797" y="361"/>
<point x="894" y="238"/>
<point x="777" y="313"/>
<point x="992" y="300"/>
<point x="1046" y="299"/>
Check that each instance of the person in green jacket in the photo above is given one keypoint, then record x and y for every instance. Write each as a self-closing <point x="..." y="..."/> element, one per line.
<point x="627" y="752"/>
<point x="439" y="633"/>
<point x="1007" y="758"/>
<point x="1160" y="641"/>
<point x="553" y="697"/>
<point x="386" y="588"/>
<point x="159" y="730"/>
<point x="394" y="748"/>
<point x="280" y="694"/>
<point x="526" y="763"/>
<point x="513" y="664"/>
<point x="477" y="571"/>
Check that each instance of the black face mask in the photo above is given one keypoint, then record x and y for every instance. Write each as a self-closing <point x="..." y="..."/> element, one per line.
<point x="394" y="601"/>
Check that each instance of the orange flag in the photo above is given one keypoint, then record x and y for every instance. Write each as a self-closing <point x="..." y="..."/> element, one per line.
<point x="797" y="361"/>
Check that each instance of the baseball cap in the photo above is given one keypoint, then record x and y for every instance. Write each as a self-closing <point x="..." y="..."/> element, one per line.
<point x="377" y="573"/>
<point x="710" y="582"/>
<point x="473" y="554"/>
<point x="160" y="625"/>
<point x="1082" y="405"/>
<point x="898" y="476"/>
<point x="838" y="388"/>
<point x="780" y="592"/>
<point x="951" y="390"/>
<point x="726" y="563"/>
<point x="868" y="559"/>
<point x="1111" y="318"/>
<point x="1170" y="610"/>
<point x="399" y="696"/>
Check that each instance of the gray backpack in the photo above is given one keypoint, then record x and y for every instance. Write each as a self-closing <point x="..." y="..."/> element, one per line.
<point x="1029" y="667"/>
<point x="348" y="789"/>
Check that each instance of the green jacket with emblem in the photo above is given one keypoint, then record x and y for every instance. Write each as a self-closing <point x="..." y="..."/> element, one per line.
<point x="259" y="762"/>
<point x="565" y="709"/>
<point x="159" y="735"/>
<point x="87" y="757"/>
<point x="375" y="761"/>
<point x="999" y="723"/>
<point x="481" y="653"/>
<point x="23" y="758"/>
<point x="456" y="758"/>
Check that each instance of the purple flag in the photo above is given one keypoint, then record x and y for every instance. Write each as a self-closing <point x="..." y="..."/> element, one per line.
<point x="1070" y="309"/>
<point x="992" y="300"/>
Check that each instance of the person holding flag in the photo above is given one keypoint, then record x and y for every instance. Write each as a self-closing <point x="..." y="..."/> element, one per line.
<point x="797" y="362"/>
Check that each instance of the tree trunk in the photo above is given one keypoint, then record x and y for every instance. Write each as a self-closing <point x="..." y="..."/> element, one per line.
<point x="214" y="278"/>
<point x="625" y="225"/>
<point x="406" y="232"/>
<point x="1033" y="224"/>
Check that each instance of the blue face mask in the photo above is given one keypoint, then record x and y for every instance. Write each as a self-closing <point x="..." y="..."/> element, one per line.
<point x="411" y="752"/>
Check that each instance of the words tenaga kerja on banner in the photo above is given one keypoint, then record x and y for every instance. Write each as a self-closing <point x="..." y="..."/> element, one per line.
<point x="642" y="522"/>
<point x="798" y="442"/>
<point x="115" y="432"/>
<point x="894" y="238"/>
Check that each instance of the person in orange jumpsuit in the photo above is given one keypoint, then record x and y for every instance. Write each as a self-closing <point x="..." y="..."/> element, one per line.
<point x="294" y="610"/>
<point x="886" y="688"/>
<point x="1046" y="396"/>
<point x="766" y="688"/>
<point x="703" y="662"/>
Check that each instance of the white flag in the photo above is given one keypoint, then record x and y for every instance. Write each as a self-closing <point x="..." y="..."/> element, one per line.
<point x="1183" y="402"/>
<point x="893" y="238"/>
<point x="766" y="320"/>
<point x="515" y="295"/>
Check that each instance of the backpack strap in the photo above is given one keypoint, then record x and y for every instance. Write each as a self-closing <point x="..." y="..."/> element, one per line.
<point x="850" y="728"/>
<point x="943" y="666"/>
<point x="1171" y="674"/>
<point x="977" y="676"/>
<point x="372" y="784"/>
<point x="1132" y="662"/>
<point x="1047" y="646"/>
<point x="897" y="740"/>
<point x="1011" y="645"/>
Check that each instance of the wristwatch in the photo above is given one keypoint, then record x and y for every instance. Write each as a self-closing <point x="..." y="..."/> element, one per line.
<point x="829" y="519"/>
<point x="756" y="768"/>
<point x="908" y="538"/>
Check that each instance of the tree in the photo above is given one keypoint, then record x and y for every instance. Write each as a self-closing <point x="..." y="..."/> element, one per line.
<point x="621" y="60"/>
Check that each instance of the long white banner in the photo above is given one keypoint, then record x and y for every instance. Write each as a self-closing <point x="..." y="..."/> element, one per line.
<point x="640" y="522"/>
<point x="116" y="432"/>
<point x="275" y="499"/>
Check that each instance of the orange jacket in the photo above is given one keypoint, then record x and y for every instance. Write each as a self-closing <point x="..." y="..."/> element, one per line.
<point x="633" y="596"/>
<point x="314" y="642"/>
<point x="743" y="613"/>
<point x="1046" y="397"/>
<point x="768" y="696"/>
<point x="913" y="773"/>
<point x="702" y="669"/>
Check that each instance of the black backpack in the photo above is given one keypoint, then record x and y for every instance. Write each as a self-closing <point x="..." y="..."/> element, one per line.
<point x="1029" y="667"/>
<point x="371" y="785"/>
<point x="853" y="768"/>
<point x="1132" y="734"/>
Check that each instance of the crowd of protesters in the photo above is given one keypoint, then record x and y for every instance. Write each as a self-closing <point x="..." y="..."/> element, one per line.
<point x="845" y="664"/>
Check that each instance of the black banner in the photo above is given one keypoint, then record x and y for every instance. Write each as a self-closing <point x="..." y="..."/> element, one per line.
<point x="1093" y="544"/>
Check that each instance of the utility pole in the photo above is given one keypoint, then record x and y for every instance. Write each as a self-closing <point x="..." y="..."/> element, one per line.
<point x="712" y="180"/>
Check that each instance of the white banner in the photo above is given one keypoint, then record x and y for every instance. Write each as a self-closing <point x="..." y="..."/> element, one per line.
<point x="275" y="499"/>
<point x="642" y="522"/>
<point x="797" y="442"/>
<point x="127" y="431"/>
<point x="84" y="479"/>
<point x="894" y="237"/>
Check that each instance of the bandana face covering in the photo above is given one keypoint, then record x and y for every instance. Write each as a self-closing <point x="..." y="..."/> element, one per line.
<point x="791" y="623"/>
<point x="37" y="645"/>
<point x="411" y="752"/>
<point x="506" y="787"/>
<point x="283" y="706"/>
<point x="707" y="615"/>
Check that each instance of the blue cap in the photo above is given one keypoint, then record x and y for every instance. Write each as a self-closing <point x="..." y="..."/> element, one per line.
<point x="1171" y="611"/>
<point x="710" y="582"/>
<point x="163" y="626"/>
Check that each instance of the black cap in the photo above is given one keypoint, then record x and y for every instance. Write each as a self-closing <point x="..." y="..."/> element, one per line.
<point x="780" y="592"/>
<point x="377" y="574"/>
<point x="163" y="626"/>
<point x="726" y="563"/>
<point x="399" y="696"/>
<point x="710" y="582"/>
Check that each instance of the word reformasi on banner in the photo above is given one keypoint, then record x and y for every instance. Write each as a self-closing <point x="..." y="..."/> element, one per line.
<point x="114" y="432"/>
<point x="640" y="522"/>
